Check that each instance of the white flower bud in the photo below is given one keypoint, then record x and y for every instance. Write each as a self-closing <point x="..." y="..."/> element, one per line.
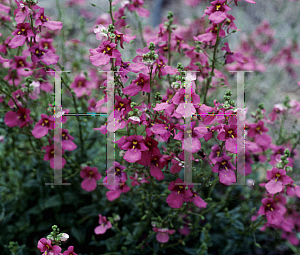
<point x="64" y="237"/>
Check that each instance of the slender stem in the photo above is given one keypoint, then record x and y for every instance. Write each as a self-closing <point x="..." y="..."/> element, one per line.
<point x="281" y="129"/>
<point x="79" y="123"/>
<point x="150" y="83"/>
<point x="100" y="8"/>
<point x="111" y="13"/>
<point x="8" y="94"/>
<point x="60" y="15"/>
<point x="140" y="29"/>
<point x="213" y="65"/>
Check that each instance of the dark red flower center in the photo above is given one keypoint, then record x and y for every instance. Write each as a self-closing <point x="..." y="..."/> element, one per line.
<point x="121" y="105"/>
<point x="45" y="123"/>
<point x="64" y="136"/>
<point x="134" y="143"/>
<point x="231" y="133"/>
<point x="269" y="207"/>
<point x="22" y="117"/>
<point x="218" y="6"/>
<point x="20" y="63"/>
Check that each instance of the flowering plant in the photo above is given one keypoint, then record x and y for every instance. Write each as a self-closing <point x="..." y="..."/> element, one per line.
<point x="172" y="118"/>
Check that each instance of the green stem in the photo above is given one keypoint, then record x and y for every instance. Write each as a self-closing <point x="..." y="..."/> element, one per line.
<point x="60" y="15"/>
<point x="140" y="29"/>
<point x="150" y="83"/>
<point x="111" y="13"/>
<point x="79" y="123"/>
<point x="279" y="140"/>
<point x="213" y="65"/>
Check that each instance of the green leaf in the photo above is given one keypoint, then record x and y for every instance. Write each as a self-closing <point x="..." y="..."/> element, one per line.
<point x="189" y="250"/>
<point x="79" y="234"/>
<point x="258" y="245"/>
<point x="89" y="210"/>
<point x="238" y="225"/>
<point x="53" y="201"/>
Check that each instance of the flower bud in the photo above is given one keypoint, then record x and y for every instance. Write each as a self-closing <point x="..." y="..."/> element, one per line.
<point x="64" y="237"/>
<point x="261" y="106"/>
<point x="170" y="15"/>
<point x="112" y="35"/>
<point x="287" y="152"/>
<point x="228" y="93"/>
<point x="231" y="102"/>
<point x="133" y="104"/>
<point x="179" y="66"/>
<point x="151" y="46"/>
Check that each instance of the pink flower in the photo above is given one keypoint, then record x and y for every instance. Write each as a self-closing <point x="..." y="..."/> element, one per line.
<point x="126" y="67"/>
<point x="123" y="38"/>
<point x="66" y="142"/>
<point x="20" y="64"/>
<point x="277" y="180"/>
<point x="258" y="130"/>
<point x="229" y="135"/>
<point x="46" y="43"/>
<point x="227" y="177"/>
<point x="2" y="60"/>
<point x="179" y="193"/>
<point x="103" y="54"/>
<point x="42" y="54"/>
<point x="104" y="225"/>
<point x="80" y="85"/>
<point x="215" y="153"/>
<point x="293" y="189"/>
<point x="295" y="106"/>
<point x="217" y="11"/>
<point x="42" y="20"/>
<point x="155" y="164"/>
<point x="90" y="176"/>
<point x="49" y="155"/>
<point x="70" y="251"/>
<point x="229" y="55"/>
<point x="101" y="32"/>
<point x="248" y="1"/>
<point x="272" y="211"/>
<point x="45" y="245"/>
<point x="21" y="12"/>
<point x="277" y="109"/>
<point x="225" y="169"/>
<point x="119" y="173"/>
<point x="190" y="138"/>
<point x="20" y="118"/>
<point x="163" y="234"/>
<point x="179" y="99"/>
<point x="134" y="145"/>
<point x="22" y="33"/>
<point x="223" y="163"/>
<point x="292" y="237"/>
<point x="142" y="83"/>
<point x="197" y="200"/>
<point x="136" y="5"/>
<point x="162" y="67"/>
<point x="117" y="190"/>
<point x="42" y="127"/>
<point x="136" y="180"/>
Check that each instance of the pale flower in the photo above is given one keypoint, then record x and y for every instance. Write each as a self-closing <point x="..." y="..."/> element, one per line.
<point x="100" y="32"/>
